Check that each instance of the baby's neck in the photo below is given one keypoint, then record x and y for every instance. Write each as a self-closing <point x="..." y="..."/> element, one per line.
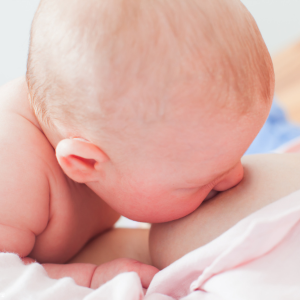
<point x="52" y="134"/>
<point x="17" y="93"/>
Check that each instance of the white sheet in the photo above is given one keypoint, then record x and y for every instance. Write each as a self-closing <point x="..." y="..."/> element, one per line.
<point x="18" y="282"/>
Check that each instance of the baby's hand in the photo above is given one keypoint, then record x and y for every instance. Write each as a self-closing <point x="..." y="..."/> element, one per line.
<point x="93" y="276"/>
<point x="109" y="270"/>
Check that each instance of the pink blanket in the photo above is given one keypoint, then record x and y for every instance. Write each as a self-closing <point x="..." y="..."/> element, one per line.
<point x="258" y="258"/>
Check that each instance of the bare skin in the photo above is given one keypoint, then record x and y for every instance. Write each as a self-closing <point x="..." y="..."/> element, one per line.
<point x="64" y="180"/>
<point x="267" y="178"/>
<point x="59" y="214"/>
<point x="45" y="215"/>
<point x="114" y="244"/>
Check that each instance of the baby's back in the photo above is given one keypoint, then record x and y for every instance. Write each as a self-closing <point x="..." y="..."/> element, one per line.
<point x="43" y="214"/>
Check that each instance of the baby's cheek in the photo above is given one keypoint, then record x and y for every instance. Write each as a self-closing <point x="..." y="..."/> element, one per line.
<point x="172" y="212"/>
<point x="159" y="207"/>
<point x="180" y="206"/>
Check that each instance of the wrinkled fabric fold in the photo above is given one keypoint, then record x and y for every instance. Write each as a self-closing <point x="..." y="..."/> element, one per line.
<point x="261" y="239"/>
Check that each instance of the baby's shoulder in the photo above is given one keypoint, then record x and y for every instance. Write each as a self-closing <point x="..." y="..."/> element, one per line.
<point x="22" y="140"/>
<point x="27" y="161"/>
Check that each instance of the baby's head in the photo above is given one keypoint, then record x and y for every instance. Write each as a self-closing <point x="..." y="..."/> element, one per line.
<point x="151" y="103"/>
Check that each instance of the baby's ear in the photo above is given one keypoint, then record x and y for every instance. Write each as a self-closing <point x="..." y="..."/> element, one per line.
<point x="81" y="160"/>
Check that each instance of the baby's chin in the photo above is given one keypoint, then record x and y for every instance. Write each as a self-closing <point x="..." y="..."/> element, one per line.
<point x="153" y="217"/>
<point x="161" y="216"/>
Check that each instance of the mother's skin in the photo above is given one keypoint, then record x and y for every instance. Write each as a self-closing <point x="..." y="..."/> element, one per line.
<point x="268" y="178"/>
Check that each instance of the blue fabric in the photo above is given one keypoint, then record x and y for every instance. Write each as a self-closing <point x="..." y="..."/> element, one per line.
<point x="276" y="131"/>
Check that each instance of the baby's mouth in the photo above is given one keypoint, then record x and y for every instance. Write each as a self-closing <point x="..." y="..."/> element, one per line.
<point x="211" y="194"/>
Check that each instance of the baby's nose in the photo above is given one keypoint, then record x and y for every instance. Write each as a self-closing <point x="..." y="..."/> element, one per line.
<point x="211" y="194"/>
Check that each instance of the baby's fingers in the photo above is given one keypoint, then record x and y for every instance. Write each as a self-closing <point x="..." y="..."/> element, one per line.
<point x="109" y="270"/>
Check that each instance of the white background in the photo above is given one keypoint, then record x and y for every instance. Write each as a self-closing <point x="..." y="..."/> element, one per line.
<point x="278" y="20"/>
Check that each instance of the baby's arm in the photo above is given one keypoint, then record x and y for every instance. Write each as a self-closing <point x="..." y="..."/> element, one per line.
<point x="24" y="214"/>
<point x="267" y="178"/>
<point x="24" y="188"/>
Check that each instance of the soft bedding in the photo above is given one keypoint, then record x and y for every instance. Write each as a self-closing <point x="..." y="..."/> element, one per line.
<point x="258" y="258"/>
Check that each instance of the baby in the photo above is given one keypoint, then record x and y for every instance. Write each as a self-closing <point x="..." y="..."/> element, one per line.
<point x="140" y="108"/>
